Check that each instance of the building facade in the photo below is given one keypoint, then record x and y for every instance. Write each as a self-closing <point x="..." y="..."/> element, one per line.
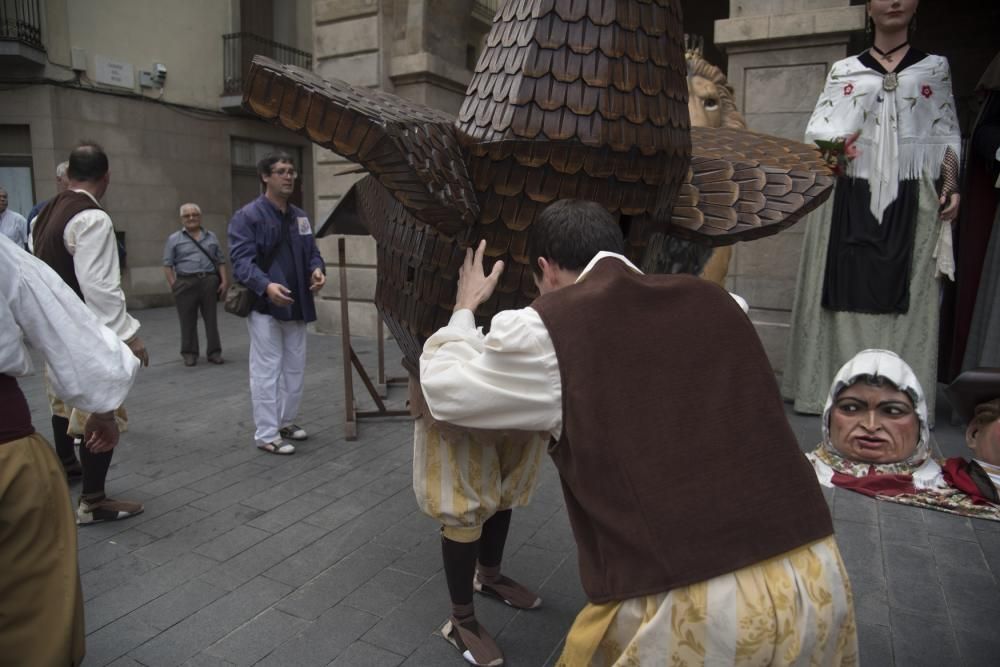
<point x="157" y="85"/>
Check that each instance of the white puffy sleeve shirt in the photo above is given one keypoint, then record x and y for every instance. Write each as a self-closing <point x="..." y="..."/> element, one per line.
<point x="90" y="239"/>
<point x="506" y="379"/>
<point x="89" y="366"/>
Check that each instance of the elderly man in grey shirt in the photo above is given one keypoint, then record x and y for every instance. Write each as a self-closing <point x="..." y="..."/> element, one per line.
<point x="196" y="271"/>
<point x="12" y="224"/>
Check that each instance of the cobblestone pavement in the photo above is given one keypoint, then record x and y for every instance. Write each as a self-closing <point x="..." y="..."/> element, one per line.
<point x="322" y="558"/>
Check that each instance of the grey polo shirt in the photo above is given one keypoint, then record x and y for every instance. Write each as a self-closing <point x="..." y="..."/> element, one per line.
<point x="182" y="254"/>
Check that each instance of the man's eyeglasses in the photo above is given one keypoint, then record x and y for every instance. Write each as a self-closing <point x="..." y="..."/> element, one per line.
<point x="284" y="172"/>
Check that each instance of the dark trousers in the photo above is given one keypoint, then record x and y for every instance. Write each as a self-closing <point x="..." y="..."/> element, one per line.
<point x="193" y="294"/>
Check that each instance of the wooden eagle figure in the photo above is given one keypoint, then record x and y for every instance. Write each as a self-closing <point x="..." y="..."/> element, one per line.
<point x="582" y="99"/>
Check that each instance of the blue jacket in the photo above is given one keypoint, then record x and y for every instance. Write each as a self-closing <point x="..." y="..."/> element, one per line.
<point x="253" y="232"/>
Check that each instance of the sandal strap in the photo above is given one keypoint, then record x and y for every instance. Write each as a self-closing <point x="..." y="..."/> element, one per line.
<point x="475" y="643"/>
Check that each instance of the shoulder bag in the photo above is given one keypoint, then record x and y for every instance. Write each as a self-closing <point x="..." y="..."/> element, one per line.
<point x="239" y="299"/>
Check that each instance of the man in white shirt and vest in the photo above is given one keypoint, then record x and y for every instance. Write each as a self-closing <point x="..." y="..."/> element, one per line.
<point x="75" y="236"/>
<point x="698" y="521"/>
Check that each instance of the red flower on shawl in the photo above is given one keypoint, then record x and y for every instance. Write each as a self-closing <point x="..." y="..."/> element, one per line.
<point x="926" y="91"/>
<point x="848" y="89"/>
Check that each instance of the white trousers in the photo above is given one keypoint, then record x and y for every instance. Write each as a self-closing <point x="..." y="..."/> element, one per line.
<point x="277" y="372"/>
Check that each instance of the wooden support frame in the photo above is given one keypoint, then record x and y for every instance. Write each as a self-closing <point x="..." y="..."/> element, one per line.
<point x="350" y="359"/>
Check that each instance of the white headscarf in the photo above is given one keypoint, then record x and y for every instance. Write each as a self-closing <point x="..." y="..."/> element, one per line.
<point x="887" y="365"/>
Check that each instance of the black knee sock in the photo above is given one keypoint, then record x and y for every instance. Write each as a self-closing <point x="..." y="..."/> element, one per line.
<point x="63" y="440"/>
<point x="95" y="470"/>
<point x="494" y="538"/>
<point x="459" y="569"/>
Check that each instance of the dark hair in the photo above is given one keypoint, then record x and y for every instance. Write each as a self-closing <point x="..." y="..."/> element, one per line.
<point x="87" y="162"/>
<point x="267" y="162"/>
<point x="570" y="232"/>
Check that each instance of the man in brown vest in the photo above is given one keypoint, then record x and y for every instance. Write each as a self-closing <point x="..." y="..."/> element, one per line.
<point x="703" y="536"/>
<point x="76" y="237"/>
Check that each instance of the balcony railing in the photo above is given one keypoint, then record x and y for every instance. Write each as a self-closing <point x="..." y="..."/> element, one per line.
<point x="239" y="48"/>
<point x="20" y="21"/>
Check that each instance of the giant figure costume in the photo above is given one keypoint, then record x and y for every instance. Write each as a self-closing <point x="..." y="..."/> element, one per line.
<point x="570" y="99"/>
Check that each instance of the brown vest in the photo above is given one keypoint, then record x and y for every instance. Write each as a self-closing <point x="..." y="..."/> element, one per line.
<point x="676" y="459"/>
<point x="47" y="233"/>
<point x="15" y="417"/>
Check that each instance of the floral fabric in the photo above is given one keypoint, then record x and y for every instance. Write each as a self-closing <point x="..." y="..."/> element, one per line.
<point x="795" y="609"/>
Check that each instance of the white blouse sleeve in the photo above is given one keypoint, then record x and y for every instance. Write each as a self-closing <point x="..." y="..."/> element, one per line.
<point x="90" y="238"/>
<point x="507" y="379"/>
<point x="89" y="367"/>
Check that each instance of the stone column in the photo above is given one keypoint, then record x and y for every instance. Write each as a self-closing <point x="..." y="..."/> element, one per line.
<point x="779" y="54"/>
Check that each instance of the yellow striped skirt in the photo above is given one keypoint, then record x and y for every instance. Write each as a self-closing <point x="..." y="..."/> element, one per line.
<point x="462" y="477"/>
<point x="794" y="609"/>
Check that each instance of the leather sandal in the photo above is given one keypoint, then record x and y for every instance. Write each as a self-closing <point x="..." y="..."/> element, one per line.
<point x="508" y="591"/>
<point x="472" y="641"/>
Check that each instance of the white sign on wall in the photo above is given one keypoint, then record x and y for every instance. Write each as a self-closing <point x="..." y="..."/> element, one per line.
<point x="114" y="72"/>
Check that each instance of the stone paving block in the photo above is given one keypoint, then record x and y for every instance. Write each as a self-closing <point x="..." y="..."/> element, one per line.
<point x="307" y="477"/>
<point x="919" y="641"/>
<point x="232" y="494"/>
<point x="871" y="605"/>
<point x="968" y="589"/>
<point x="413" y="622"/>
<point x="116" y="639"/>
<point x="294" y="510"/>
<point x="113" y="574"/>
<point x="324" y="640"/>
<point x="984" y="526"/>
<point x="887" y="510"/>
<point x="334" y="546"/>
<point x="183" y="477"/>
<point x="188" y="538"/>
<point x="949" y="525"/>
<point x="990" y="544"/>
<point x="342" y="510"/>
<point x="859" y="545"/>
<point x="128" y="597"/>
<point x="965" y="557"/>
<point x="257" y="638"/>
<point x="392" y="483"/>
<point x="171" y="522"/>
<point x="531" y="566"/>
<point x="204" y="628"/>
<point x="105" y="551"/>
<point x="435" y="652"/>
<point x="206" y="660"/>
<point x="875" y="645"/>
<point x="894" y="529"/>
<point x="850" y="506"/>
<point x="230" y="544"/>
<point x="334" y="584"/>
<point x="176" y="605"/>
<point x="913" y="581"/>
<point x="363" y="654"/>
<point x="554" y="535"/>
<point x="123" y="483"/>
<point x="261" y="557"/>
<point x="410" y="531"/>
<point x="228" y="476"/>
<point x="163" y="505"/>
<point x="125" y="661"/>
<point x="530" y="637"/>
<point x="565" y="580"/>
<point x="384" y="591"/>
<point x="423" y="560"/>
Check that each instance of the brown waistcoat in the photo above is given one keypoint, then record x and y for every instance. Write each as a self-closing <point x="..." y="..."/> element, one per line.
<point x="676" y="459"/>
<point x="47" y="233"/>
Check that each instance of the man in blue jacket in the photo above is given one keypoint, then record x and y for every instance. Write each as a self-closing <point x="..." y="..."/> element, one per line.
<point x="274" y="254"/>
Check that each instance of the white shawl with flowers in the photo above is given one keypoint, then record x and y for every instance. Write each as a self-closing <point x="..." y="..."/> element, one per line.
<point x="904" y="131"/>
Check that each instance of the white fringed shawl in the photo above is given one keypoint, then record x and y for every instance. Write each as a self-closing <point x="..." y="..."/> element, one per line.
<point x="904" y="132"/>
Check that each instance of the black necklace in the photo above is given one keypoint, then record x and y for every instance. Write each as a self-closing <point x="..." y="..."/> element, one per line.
<point x="888" y="54"/>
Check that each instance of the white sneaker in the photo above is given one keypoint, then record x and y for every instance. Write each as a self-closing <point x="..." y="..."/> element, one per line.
<point x="293" y="432"/>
